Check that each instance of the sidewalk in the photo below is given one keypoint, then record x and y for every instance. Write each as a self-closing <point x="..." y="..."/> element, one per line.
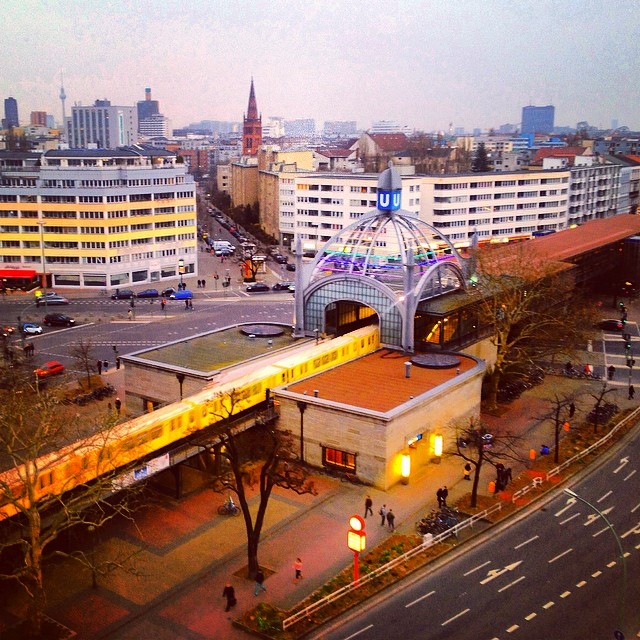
<point x="186" y="551"/>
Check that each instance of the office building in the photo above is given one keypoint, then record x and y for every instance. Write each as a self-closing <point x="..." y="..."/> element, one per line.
<point x="538" y="119"/>
<point x="91" y="218"/>
<point x="10" y="114"/>
<point x="102" y="126"/>
<point x="147" y="107"/>
<point x="39" y="118"/>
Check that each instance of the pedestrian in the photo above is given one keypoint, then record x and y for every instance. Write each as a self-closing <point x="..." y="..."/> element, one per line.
<point x="611" y="371"/>
<point x="198" y="284"/>
<point x="191" y="305"/>
<point x="445" y="494"/>
<point x="229" y="593"/>
<point x="572" y="410"/>
<point x="391" y="519"/>
<point x="163" y="304"/>
<point x="186" y="304"/>
<point x="204" y="284"/>
<point x="118" y="404"/>
<point x="439" y="496"/>
<point x="38" y="302"/>
<point x="105" y="365"/>
<point x="508" y="475"/>
<point x="99" y="367"/>
<point x="259" y="582"/>
<point x="118" y="362"/>
<point x="383" y="514"/>
<point x="632" y="392"/>
<point x="467" y="471"/>
<point x="297" y="565"/>
<point x="130" y="314"/>
<point x="368" y="503"/>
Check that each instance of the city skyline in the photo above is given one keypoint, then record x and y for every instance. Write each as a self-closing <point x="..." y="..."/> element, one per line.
<point x="428" y="65"/>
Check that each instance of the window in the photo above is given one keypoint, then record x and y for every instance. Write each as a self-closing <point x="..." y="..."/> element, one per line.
<point x="336" y="459"/>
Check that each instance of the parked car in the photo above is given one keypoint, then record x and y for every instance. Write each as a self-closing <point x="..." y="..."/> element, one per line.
<point x="123" y="294"/>
<point x="51" y="368"/>
<point x="257" y="286"/>
<point x="7" y="329"/>
<point x="185" y="294"/>
<point x="31" y="328"/>
<point x="280" y="259"/>
<point x="610" y="325"/>
<point x="148" y="293"/>
<point x="168" y="292"/>
<point x="283" y="286"/>
<point x="291" y="266"/>
<point x="54" y="299"/>
<point x="58" y="320"/>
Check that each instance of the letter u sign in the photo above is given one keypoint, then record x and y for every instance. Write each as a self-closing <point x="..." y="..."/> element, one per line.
<point x="389" y="200"/>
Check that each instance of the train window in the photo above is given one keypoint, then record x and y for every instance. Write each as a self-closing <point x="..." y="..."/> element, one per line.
<point x="46" y="479"/>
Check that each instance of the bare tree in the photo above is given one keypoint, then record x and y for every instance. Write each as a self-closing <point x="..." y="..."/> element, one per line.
<point x="82" y="353"/>
<point x="598" y="409"/>
<point x="34" y="430"/>
<point x="262" y="455"/>
<point x="560" y="412"/>
<point x="531" y="306"/>
<point x="477" y="446"/>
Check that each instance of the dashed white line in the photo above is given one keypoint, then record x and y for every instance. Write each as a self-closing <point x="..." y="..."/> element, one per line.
<point x="426" y="595"/>
<point x="606" y="495"/>
<point x="548" y="605"/>
<point x="629" y="475"/>
<point x="564" y="553"/>
<point x="508" y="586"/>
<point x="454" y="617"/>
<point x="531" y="616"/>
<point x="596" y="574"/>
<point x="612" y="564"/>
<point x="575" y="515"/>
<point x="357" y="633"/>
<point x="597" y="533"/>
<point x="635" y="508"/>
<point x="512" y="628"/>
<point x="565" y="594"/>
<point x="522" y="544"/>
<point x="484" y="564"/>
<point x="581" y="583"/>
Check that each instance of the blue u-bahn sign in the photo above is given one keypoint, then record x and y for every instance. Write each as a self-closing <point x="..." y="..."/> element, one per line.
<point x="389" y="200"/>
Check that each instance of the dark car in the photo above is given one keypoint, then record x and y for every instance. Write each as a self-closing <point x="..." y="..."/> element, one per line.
<point x="283" y="286"/>
<point x="291" y="266"/>
<point x="168" y="291"/>
<point x="123" y="294"/>
<point x="148" y="293"/>
<point x="280" y="259"/>
<point x="610" y="325"/>
<point x="58" y="320"/>
<point x="258" y="286"/>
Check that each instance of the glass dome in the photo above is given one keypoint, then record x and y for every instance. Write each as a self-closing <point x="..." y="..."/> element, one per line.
<point x="382" y="244"/>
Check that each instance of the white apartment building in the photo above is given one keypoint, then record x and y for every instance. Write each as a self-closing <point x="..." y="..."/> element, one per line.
<point x="498" y="207"/>
<point x="155" y="126"/>
<point x="594" y="190"/>
<point x="97" y="218"/>
<point x="315" y="206"/>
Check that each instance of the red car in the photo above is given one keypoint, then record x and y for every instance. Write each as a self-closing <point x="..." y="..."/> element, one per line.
<point x="51" y="368"/>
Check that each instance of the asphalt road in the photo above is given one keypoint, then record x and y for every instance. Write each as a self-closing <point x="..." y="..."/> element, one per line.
<point x="558" y="573"/>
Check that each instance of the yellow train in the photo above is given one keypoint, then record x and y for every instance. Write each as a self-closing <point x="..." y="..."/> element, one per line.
<point x="105" y="453"/>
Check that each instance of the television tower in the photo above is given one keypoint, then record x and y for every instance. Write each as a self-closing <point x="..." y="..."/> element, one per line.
<point x="63" y="97"/>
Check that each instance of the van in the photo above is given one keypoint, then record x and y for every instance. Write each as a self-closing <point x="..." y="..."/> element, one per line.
<point x="223" y="244"/>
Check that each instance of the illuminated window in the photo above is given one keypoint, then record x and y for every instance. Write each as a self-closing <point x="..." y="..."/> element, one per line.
<point x="336" y="459"/>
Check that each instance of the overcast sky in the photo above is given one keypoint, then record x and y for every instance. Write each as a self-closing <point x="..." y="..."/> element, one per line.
<point x="425" y="64"/>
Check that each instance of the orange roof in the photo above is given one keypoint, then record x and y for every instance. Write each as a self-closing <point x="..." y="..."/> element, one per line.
<point x="558" y="152"/>
<point x="390" y="141"/>
<point x="382" y="384"/>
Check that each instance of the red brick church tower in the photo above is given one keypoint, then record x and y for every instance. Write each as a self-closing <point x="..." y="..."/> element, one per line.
<point x="251" y="127"/>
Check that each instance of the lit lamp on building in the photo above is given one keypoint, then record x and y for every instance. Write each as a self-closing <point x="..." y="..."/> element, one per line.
<point x="437" y="443"/>
<point x="181" y="270"/>
<point x="357" y="542"/>
<point x="405" y="467"/>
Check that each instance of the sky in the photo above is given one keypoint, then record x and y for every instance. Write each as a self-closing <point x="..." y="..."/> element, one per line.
<point x="430" y="65"/>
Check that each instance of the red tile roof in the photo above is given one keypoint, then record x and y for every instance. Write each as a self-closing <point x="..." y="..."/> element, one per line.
<point x="558" y="152"/>
<point x="390" y="141"/>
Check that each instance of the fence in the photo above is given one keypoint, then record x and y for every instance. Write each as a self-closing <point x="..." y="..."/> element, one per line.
<point x="428" y="541"/>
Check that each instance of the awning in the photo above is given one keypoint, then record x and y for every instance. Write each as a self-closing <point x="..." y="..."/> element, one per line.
<point x="18" y="273"/>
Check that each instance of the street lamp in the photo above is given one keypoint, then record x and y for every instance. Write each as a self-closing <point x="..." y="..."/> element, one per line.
<point x="357" y="542"/>
<point x="41" y="224"/>
<point x="181" y="270"/>
<point x="573" y="494"/>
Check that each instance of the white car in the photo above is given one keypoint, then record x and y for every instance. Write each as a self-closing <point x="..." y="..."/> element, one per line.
<point x="31" y="328"/>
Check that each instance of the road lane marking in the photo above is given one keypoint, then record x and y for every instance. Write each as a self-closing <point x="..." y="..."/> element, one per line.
<point x="629" y="475"/>
<point x="635" y="529"/>
<point x="570" y="503"/>
<point x="513" y="628"/>
<point x="494" y="573"/>
<point x="406" y="606"/>
<point x="581" y="583"/>
<point x="575" y="515"/>
<point x="531" y="616"/>
<point x="606" y="495"/>
<point x="357" y="633"/>
<point x="594" y="517"/>
<point x="484" y="564"/>
<point x="454" y="617"/>
<point x="508" y="586"/>
<point x="635" y="508"/>
<point x="548" y="605"/>
<point x="522" y="544"/>
<point x="612" y="564"/>
<point x="597" y="533"/>
<point x="565" y="594"/>
<point x="623" y="462"/>
<point x="596" y="574"/>
<point x="564" y="553"/>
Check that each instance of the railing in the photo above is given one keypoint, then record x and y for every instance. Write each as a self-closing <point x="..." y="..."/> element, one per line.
<point x="428" y="541"/>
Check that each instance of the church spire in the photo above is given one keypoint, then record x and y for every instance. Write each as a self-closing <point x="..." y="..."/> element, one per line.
<point x="251" y="127"/>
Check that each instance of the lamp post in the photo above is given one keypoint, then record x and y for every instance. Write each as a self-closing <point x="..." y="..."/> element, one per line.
<point x="302" y="406"/>
<point x="41" y="224"/>
<point x="357" y="542"/>
<point x="181" y="271"/>
<point x="623" y="560"/>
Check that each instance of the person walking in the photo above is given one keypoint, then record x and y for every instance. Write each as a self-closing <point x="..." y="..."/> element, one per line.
<point x="391" y="519"/>
<point x="383" y="514"/>
<point x="117" y="362"/>
<point x="118" y="404"/>
<point x="163" y="304"/>
<point x="99" y="367"/>
<point x="259" y="582"/>
<point x="105" y="365"/>
<point x="204" y="283"/>
<point x="467" y="471"/>
<point x="229" y="593"/>
<point x="632" y="392"/>
<point x="297" y="566"/>
<point x="368" y="504"/>
<point x="445" y="495"/>
<point x="439" y="496"/>
<point x="130" y="314"/>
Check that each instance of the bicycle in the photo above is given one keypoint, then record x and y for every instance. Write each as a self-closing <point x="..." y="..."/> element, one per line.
<point x="229" y="508"/>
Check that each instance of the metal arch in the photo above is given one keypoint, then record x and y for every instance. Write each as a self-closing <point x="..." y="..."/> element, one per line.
<point x="426" y="277"/>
